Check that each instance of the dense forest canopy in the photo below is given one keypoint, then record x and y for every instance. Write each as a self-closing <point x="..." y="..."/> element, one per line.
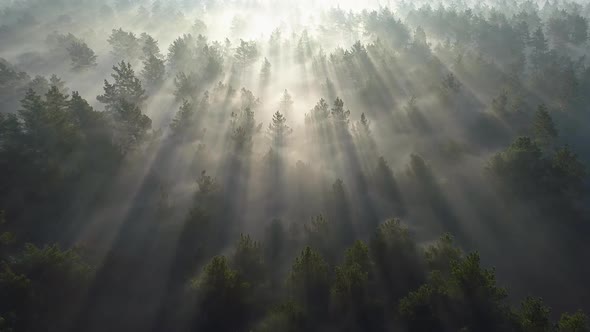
<point x="270" y="165"/>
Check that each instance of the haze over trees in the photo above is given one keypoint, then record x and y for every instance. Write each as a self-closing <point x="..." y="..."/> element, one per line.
<point x="211" y="165"/>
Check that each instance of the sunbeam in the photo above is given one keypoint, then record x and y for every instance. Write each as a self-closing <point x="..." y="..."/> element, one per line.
<point x="272" y="165"/>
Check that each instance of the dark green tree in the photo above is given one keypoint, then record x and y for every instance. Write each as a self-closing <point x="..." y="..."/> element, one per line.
<point x="154" y="71"/>
<point x="131" y="126"/>
<point x="543" y="127"/>
<point x="82" y="56"/>
<point x="219" y="292"/>
<point x="247" y="53"/>
<point x="466" y="299"/>
<point x="34" y="284"/>
<point x="184" y="121"/>
<point x="125" y="44"/>
<point x="286" y="103"/>
<point x="309" y="285"/>
<point x="339" y="115"/>
<point x="540" y="49"/>
<point x="265" y="72"/>
<point x="577" y="322"/>
<point x="397" y="260"/>
<point x="278" y="131"/>
<point x="126" y="88"/>
<point x="534" y="316"/>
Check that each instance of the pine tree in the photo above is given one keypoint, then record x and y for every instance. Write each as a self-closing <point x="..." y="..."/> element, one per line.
<point x="149" y="46"/>
<point x="278" y="131"/>
<point x="39" y="84"/>
<point x="339" y="115"/>
<point x="286" y="104"/>
<point x="199" y="27"/>
<point x="184" y="119"/>
<point x="246" y="53"/>
<point x="265" y="72"/>
<point x="125" y="88"/>
<point x="365" y="126"/>
<point x="32" y="113"/>
<point x="543" y="127"/>
<point x="365" y="137"/>
<point x="180" y="53"/>
<point x="244" y="130"/>
<point x="248" y="260"/>
<point x="58" y="83"/>
<point x="540" y="50"/>
<point x="153" y="71"/>
<point x="125" y="44"/>
<point x="420" y="37"/>
<point x="220" y="292"/>
<point x="319" y="113"/>
<point x="131" y="126"/>
<point x="309" y="283"/>
<point x="82" y="56"/>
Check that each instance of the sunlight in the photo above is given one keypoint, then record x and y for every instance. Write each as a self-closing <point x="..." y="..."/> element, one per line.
<point x="274" y="165"/>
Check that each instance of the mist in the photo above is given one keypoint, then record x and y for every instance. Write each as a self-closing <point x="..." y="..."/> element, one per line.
<point x="266" y="165"/>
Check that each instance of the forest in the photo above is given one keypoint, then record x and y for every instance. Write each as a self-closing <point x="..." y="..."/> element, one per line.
<point x="271" y="165"/>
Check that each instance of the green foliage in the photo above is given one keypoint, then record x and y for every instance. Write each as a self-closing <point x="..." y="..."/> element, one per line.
<point x="466" y="298"/>
<point x="131" y="126"/>
<point x="6" y="238"/>
<point x="58" y="83"/>
<point x="524" y="168"/>
<point x="339" y="115"/>
<point x="187" y="86"/>
<point x="184" y="120"/>
<point x="244" y="129"/>
<point x="180" y="53"/>
<point x="247" y="53"/>
<point x="82" y="56"/>
<point x="540" y="48"/>
<point x="319" y="234"/>
<point x="534" y="316"/>
<point x="153" y="71"/>
<point x="286" y="104"/>
<point x="350" y="293"/>
<point x="385" y="182"/>
<point x="13" y="84"/>
<point x="125" y="44"/>
<point x="449" y="88"/>
<point x="248" y="261"/>
<point x="39" y="85"/>
<point x="396" y="258"/>
<point x="309" y="283"/>
<point x="569" y="171"/>
<point x="276" y="246"/>
<point x="278" y="131"/>
<point x="123" y="99"/>
<point x="287" y="317"/>
<point x="220" y="291"/>
<point x="149" y="47"/>
<point x="577" y="322"/>
<point x="522" y="159"/>
<point x="265" y="72"/>
<point x="443" y="254"/>
<point x="34" y="284"/>
<point x="543" y="127"/>
<point x="199" y="27"/>
<point x="319" y="114"/>
<point x="126" y="88"/>
<point x="384" y="25"/>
